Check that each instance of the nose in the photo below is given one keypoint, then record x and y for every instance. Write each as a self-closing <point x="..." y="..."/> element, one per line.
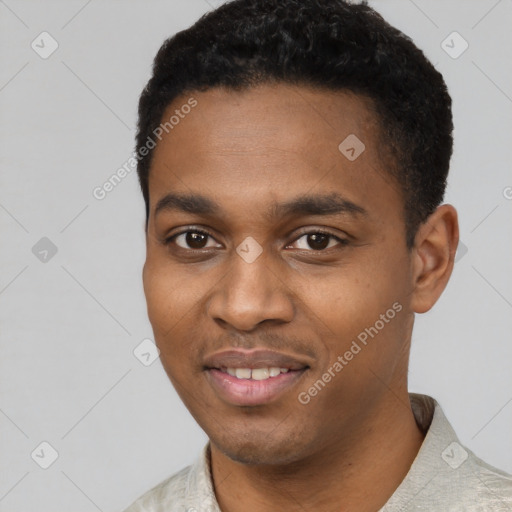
<point x="249" y="294"/>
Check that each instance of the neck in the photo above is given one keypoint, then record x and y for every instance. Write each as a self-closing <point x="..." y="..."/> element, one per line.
<point x="359" y="471"/>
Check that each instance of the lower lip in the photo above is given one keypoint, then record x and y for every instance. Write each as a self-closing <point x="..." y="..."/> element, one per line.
<point x="251" y="392"/>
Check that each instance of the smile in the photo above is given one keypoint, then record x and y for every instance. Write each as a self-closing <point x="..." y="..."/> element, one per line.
<point x="259" y="376"/>
<point x="255" y="373"/>
<point x="252" y="387"/>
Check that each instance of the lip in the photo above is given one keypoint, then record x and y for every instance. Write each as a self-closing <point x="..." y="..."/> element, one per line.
<point x="255" y="358"/>
<point x="248" y="392"/>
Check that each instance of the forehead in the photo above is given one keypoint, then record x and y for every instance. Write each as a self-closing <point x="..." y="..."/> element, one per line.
<point x="260" y="113"/>
<point x="270" y="142"/>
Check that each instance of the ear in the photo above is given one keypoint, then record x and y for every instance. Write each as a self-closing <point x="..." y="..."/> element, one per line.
<point x="433" y="257"/>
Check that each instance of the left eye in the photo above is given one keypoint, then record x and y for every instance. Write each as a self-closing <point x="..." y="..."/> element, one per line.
<point x="193" y="240"/>
<point x="319" y="241"/>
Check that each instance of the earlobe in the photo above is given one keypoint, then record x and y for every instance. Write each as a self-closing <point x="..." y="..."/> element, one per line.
<point x="433" y="257"/>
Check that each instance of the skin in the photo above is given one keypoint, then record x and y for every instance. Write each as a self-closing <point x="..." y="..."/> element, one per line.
<point x="353" y="443"/>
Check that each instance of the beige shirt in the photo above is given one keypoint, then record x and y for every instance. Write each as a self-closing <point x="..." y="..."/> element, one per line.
<point x="445" y="476"/>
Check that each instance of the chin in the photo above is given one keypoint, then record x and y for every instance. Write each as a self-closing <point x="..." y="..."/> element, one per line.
<point x="261" y="448"/>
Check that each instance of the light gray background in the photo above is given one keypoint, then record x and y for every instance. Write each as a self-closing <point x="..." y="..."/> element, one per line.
<point x="69" y="325"/>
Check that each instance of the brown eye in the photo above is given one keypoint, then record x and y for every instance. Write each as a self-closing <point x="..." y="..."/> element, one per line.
<point x="196" y="240"/>
<point x="318" y="241"/>
<point x="193" y="240"/>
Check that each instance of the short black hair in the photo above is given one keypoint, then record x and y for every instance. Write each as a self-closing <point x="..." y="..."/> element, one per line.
<point x="326" y="44"/>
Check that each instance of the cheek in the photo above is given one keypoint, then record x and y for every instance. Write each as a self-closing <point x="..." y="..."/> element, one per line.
<point x="170" y="294"/>
<point x="173" y="297"/>
<point x="363" y="303"/>
<point x="350" y="297"/>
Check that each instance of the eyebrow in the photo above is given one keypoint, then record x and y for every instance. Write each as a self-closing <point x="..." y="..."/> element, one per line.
<point x="329" y="204"/>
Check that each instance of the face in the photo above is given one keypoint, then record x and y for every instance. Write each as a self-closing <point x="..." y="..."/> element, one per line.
<point x="277" y="277"/>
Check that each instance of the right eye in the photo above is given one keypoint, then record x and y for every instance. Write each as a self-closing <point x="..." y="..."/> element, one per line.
<point x="193" y="240"/>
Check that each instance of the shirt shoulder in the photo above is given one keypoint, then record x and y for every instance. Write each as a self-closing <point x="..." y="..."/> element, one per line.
<point x="472" y="486"/>
<point x="487" y="488"/>
<point x="447" y="476"/>
<point x="188" y="490"/>
<point x="167" y="495"/>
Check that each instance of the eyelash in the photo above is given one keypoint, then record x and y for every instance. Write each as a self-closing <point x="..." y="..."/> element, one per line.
<point x="342" y="242"/>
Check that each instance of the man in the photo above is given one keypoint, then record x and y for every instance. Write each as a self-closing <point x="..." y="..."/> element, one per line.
<point x="293" y="157"/>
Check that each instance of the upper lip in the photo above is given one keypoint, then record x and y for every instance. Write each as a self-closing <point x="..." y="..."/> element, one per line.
<point x="256" y="358"/>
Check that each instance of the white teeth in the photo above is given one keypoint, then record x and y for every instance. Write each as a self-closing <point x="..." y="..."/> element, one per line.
<point x="243" y="373"/>
<point x="256" y="373"/>
<point x="274" y="371"/>
<point x="260" y="374"/>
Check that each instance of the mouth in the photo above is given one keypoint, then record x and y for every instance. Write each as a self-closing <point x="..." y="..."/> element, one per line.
<point x="249" y="378"/>
<point x="254" y="373"/>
